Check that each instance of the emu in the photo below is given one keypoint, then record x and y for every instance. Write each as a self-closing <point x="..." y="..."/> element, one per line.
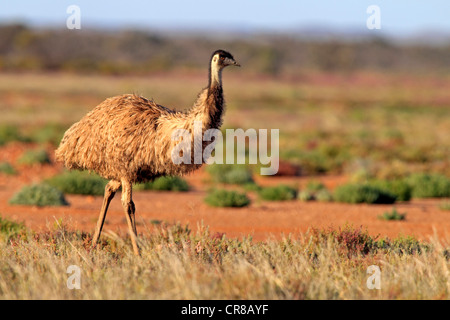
<point x="127" y="139"/>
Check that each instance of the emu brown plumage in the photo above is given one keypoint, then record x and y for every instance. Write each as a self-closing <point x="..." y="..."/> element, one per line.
<point x="127" y="139"/>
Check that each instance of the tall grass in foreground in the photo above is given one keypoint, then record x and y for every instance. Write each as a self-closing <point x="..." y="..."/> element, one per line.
<point x="178" y="264"/>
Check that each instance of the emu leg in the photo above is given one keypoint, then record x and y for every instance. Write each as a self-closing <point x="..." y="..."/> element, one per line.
<point x="110" y="191"/>
<point x="128" y="206"/>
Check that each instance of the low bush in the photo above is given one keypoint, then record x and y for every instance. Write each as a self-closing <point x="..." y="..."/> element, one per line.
<point x="230" y="174"/>
<point x="392" y="215"/>
<point x="7" y="168"/>
<point x="315" y="191"/>
<point x="349" y="241"/>
<point x="78" y="182"/>
<point x="362" y="193"/>
<point x="9" y="133"/>
<point x="278" y="193"/>
<point x="226" y="198"/>
<point x="315" y="186"/>
<point x="323" y="196"/>
<point x="305" y="195"/>
<point x="164" y="184"/>
<point x="251" y="186"/>
<point x="429" y="185"/>
<point x="400" y="188"/>
<point x="49" y="133"/>
<point x="403" y="245"/>
<point x="31" y="157"/>
<point x="39" y="195"/>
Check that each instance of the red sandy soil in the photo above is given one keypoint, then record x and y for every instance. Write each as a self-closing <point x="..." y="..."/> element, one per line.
<point x="261" y="220"/>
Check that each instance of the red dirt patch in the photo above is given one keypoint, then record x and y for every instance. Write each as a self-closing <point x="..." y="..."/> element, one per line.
<point x="262" y="219"/>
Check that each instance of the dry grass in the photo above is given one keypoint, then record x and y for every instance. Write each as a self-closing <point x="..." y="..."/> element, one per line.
<point x="176" y="264"/>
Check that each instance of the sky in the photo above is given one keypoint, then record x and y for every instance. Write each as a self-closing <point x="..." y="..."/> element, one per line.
<point x="397" y="16"/>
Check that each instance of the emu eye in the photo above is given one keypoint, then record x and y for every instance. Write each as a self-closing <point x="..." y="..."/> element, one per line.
<point x="222" y="58"/>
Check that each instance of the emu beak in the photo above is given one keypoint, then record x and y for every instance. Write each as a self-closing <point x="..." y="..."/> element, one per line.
<point x="236" y="64"/>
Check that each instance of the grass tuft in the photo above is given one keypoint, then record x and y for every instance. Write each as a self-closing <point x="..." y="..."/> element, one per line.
<point x="392" y="215"/>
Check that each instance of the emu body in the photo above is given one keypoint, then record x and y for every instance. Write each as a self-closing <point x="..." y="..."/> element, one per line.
<point x="127" y="139"/>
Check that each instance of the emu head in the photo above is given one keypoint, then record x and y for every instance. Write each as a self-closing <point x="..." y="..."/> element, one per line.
<point x="221" y="59"/>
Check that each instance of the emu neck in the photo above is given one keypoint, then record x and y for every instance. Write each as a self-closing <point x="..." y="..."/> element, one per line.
<point x="212" y="108"/>
<point x="215" y="75"/>
<point x="210" y="103"/>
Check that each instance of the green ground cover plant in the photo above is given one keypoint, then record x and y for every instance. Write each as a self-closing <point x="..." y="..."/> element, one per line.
<point x="39" y="195"/>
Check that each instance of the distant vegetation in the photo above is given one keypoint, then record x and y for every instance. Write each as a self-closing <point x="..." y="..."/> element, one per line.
<point x="9" y="133"/>
<point x="131" y="51"/>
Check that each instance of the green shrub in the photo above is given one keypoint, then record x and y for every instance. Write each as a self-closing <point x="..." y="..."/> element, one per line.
<point x="9" y="133"/>
<point x="39" y="195"/>
<point x="349" y="241"/>
<point x="50" y="132"/>
<point x="31" y="157"/>
<point x="278" y="193"/>
<point x="314" y="186"/>
<point x="404" y="245"/>
<point x="400" y="188"/>
<point x="78" y="182"/>
<point x="7" y="168"/>
<point x="164" y="184"/>
<point x="230" y="174"/>
<point x="10" y="229"/>
<point x="225" y="198"/>
<point x="392" y="215"/>
<point x="352" y="242"/>
<point x="323" y="196"/>
<point x="362" y="193"/>
<point x="429" y="185"/>
<point x="251" y="186"/>
<point x="305" y="195"/>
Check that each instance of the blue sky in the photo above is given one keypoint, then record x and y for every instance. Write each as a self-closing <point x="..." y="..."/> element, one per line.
<point x="397" y="16"/>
